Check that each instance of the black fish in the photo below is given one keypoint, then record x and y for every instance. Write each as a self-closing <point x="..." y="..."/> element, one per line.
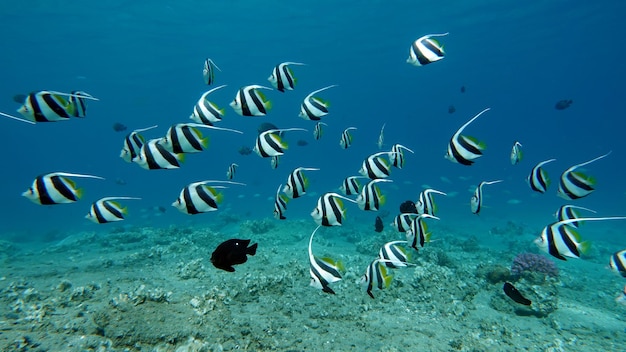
<point x="302" y="143"/>
<point x="408" y="207"/>
<point x="515" y="295"/>
<point x="119" y="127"/>
<point x="462" y="89"/>
<point x="232" y="252"/>
<point x="20" y="98"/>
<point x="451" y="109"/>
<point x="563" y="104"/>
<point x="378" y="225"/>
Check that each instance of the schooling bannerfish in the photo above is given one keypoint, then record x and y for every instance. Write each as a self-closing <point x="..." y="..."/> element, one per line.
<point x="232" y="252"/>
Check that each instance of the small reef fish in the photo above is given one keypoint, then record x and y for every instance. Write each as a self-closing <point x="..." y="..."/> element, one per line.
<point x="563" y="104"/>
<point x="208" y="71"/>
<point x="55" y="188"/>
<point x="49" y="106"/>
<point x="230" y="173"/>
<point x="280" y="204"/>
<point x="516" y="153"/>
<point x="269" y="143"/>
<point x="425" y="203"/>
<point x="198" y="197"/>
<point x="381" y="137"/>
<point x="154" y="156"/>
<point x="133" y="143"/>
<point x="324" y="271"/>
<point x="378" y="224"/>
<point x="318" y="131"/>
<point x="418" y="231"/>
<point x="330" y="210"/>
<point x="515" y="295"/>
<point x="394" y="256"/>
<point x="561" y="241"/>
<point x="232" y="252"/>
<point x="282" y="77"/>
<point x="119" y="127"/>
<point x="275" y="161"/>
<point x="314" y="108"/>
<point x="617" y="262"/>
<point x="376" y="275"/>
<point x="476" y="202"/>
<point x="465" y="149"/>
<point x="108" y="210"/>
<point x="346" y="138"/>
<point x="574" y="184"/>
<point x="187" y="138"/>
<point x="426" y="50"/>
<point x="351" y="186"/>
<point x="375" y="167"/>
<point x="538" y="179"/>
<point x="567" y="212"/>
<point x="250" y="101"/>
<point x="370" y="197"/>
<point x="297" y="182"/>
<point x="402" y="222"/>
<point x="206" y="112"/>
<point x="396" y="156"/>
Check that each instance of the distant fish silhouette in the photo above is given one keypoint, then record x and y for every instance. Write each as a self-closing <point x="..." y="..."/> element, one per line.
<point x="563" y="104"/>
<point x="515" y="295"/>
<point x="119" y="127"/>
<point x="462" y="89"/>
<point x="451" y="109"/>
<point x="378" y="225"/>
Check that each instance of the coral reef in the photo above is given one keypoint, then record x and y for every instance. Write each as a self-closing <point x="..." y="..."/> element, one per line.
<point x="533" y="263"/>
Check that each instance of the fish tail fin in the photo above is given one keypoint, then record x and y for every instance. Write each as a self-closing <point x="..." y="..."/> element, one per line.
<point x="252" y="249"/>
<point x="585" y="247"/>
<point x="79" y="193"/>
<point x="268" y="104"/>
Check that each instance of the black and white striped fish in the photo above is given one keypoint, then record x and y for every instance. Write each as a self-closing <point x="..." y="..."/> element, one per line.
<point x="280" y="204"/>
<point x="133" y="143"/>
<point x="371" y="197"/>
<point x="538" y="179"/>
<point x="55" y="188"/>
<point x="464" y="149"/>
<point x="205" y="111"/>
<point x="314" y="108"/>
<point x="78" y="100"/>
<point x="426" y="50"/>
<point x="376" y="276"/>
<point x="324" y="271"/>
<point x="617" y="263"/>
<point x="330" y="210"/>
<point x="574" y="184"/>
<point x="561" y="241"/>
<point x="198" y="197"/>
<point x="275" y="161"/>
<point x="318" y="131"/>
<point x="567" y="212"/>
<point x="49" y="106"/>
<point x="351" y="186"/>
<point x="154" y="156"/>
<point x="108" y="210"/>
<point x="269" y="143"/>
<point x="297" y="182"/>
<point x="418" y="231"/>
<point x="186" y="138"/>
<point x="476" y="202"/>
<point x="346" y="138"/>
<point x="516" y="153"/>
<point x="394" y="256"/>
<point x="396" y="156"/>
<point x="376" y="167"/>
<point x="250" y="101"/>
<point x="230" y="173"/>
<point x="208" y="71"/>
<point x="425" y="203"/>
<point x="402" y="222"/>
<point x="282" y="77"/>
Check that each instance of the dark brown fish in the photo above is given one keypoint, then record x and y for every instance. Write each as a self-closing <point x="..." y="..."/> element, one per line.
<point x="232" y="252"/>
<point x="378" y="225"/>
<point x="451" y="109"/>
<point x="563" y="104"/>
<point x="515" y="295"/>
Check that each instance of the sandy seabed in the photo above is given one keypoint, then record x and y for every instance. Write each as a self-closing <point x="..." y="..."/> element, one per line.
<point x="154" y="289"/>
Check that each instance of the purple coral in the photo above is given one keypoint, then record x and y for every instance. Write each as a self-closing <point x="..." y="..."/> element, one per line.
<point x="533" y="263"/>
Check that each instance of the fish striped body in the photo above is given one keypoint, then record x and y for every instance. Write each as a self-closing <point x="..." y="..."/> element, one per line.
<point x="314" y="108"/>
<point x="282" y="77"/>
<point x="402" y="222"/>
<point x="464" y="149"/>
<point x="538" y="179"/>
<point x="324" y="271"/>
<point x="107" y="210"/>
<point x="617" y="262"/>
<point x="370" y="197"/>
<point x="55" y="188"/>
<point x="249" y="101"/>
<point x="476" y="202"/>
<point x="297" y="182"/>
<point x="346" y="138"/>
<point x="426" y="50"/>
<point x="376" y="276"/>
<point x="154" y="156"/>
<point x="393" y="256"/>
<point x="375" y="167"/>
<point x="208" y="71"/>
<point x="576" y="185"/>
<point x="280" y="204"/>
<point x="330" y="210"/>
<point x="425" y="204"/>
<point x="418" y="231"/>
<point x="206" y="112"/>
<point x="132" y="144"/>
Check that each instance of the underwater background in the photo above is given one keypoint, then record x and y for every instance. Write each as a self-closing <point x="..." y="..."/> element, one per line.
<point x="143" y="61"/>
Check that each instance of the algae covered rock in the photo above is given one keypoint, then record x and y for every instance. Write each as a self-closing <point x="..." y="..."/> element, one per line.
<point x="544" y="299"/>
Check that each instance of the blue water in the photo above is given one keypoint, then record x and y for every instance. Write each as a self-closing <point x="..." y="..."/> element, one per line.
<point x="144" y="62"/>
